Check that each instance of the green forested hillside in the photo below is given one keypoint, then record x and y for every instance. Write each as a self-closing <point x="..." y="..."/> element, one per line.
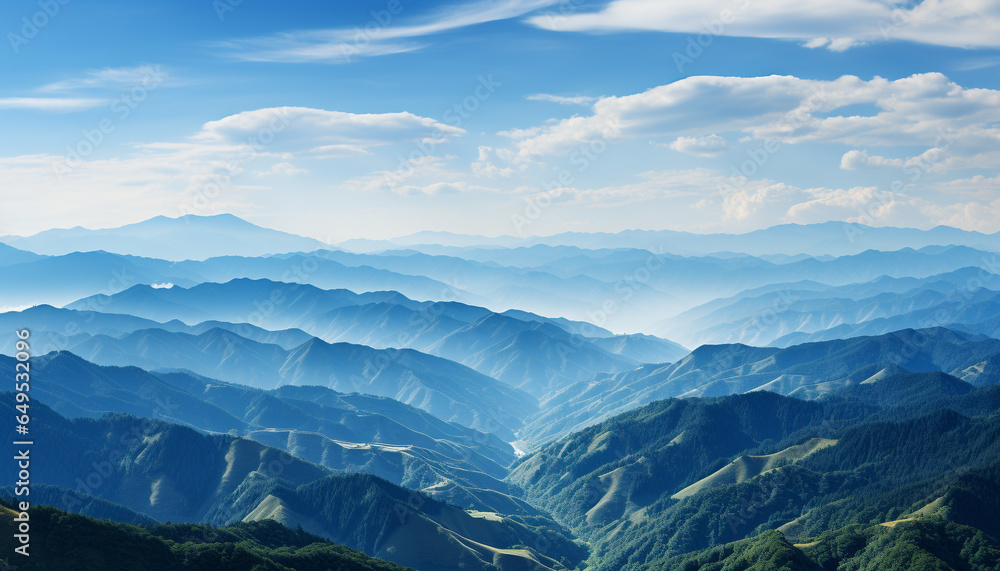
<point x="886" y="460"/>
<point x="61" y="540"/>
<point x="609" y="471"/>
<point x="807" y="371"/>
<point x="119" y="466"/>
<point x="930" y="545"/>
<point x="680" y="476"/>
<point x="349" y="432"/>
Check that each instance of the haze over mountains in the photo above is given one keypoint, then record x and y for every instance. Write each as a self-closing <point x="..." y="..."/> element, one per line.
<point x="831" y="238"/>
<point x="636" y="288"/>
<point x="639" y="401"/>
<point x="193" y="237"/>
<point x="187" y="237"/>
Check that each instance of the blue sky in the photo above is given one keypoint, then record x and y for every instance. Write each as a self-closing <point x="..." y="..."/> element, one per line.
<point x="523" y="117"/>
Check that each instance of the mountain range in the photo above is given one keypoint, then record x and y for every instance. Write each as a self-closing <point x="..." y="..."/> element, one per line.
<point x="207" y="393"/>
<point x="830" y="238"/>
<point x="807" y="371"/>
<point x="527" y="351"/>
<point x="188" y="237"/>
<point x="174" y="473"/>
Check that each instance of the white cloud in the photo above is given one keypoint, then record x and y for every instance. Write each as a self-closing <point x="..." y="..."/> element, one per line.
<point x="51" y="104"/>
<point x="111" y="77"/>
<point x="340" y="150"/>
<point x="982" y="216"/>
<point x="763" y="203"/>
<point x="223" y="167"/>
<point x="864" y="205"/>
<point x="979" y="184"/>
<point x="816" y="43"/>
<point x="834" y="45"/>
<point x="429" y="175"/>
<point x="574" y="100"/>
<point x="206" y="174"/>
<point x="380" y="36"/>
<point x="858" y="159"/>
<point x="844" y="44"/>
<point x="934" y="159"/>
<point x="98" y="193"/>
<point x="710" y="146"/>
<point x="484" y="164"/>
<point x="439" y="188"/>
<point x="520" y="134"/>
<point x="834" y="25"/>
<point x="145" y="77"/>
<point x="282" y="169"/>
<point x="758" y="200"/>
<point x="324" y="133"/>
<point x="925" y="109"/>
<point x="651" y="186"/>
<point x="708" y="200"/>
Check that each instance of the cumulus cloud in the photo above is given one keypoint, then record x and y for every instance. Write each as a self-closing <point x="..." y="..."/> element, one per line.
<point x="325" y="128"/>
<point x="710" y="146"/>
<point x="484" y="165"/>
<point x="758" y="200"/>
<point x="834" y="45"/>
<point x="834" y="25"/>
<point x="864" y="205"/>
<point x="933" y="160"/>
<point x="924" y="109"/>
<point x="859" y="159"/>
<point x="982" y="216"/>
<point x="217" y="169"/>
<point x="710" y="201"/>
<point x="978" y="184"/>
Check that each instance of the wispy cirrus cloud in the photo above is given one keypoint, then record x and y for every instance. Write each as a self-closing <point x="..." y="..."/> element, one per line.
<point x="428" y="176"/>
<point x="563" y="100"/>
<point x="51" y="104"/>
<point x="108" y="78"/>
<point x="381" y="36"/>
<point x="834" y="25"/>
<point x="67" y="95"/>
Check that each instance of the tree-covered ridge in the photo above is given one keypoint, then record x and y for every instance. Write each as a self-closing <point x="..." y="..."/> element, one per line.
<point x="934" y="544"/>
<point x="611" y="470"/>
<point x="61" y="540"/>
<point x="807" y="371"/>
<point x="376" y="517"/>
<point x="758" y="462"/>
<point x="131" y="466"/>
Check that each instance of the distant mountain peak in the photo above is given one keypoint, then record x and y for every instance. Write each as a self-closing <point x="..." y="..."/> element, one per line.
<point x="187" y="237"/>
